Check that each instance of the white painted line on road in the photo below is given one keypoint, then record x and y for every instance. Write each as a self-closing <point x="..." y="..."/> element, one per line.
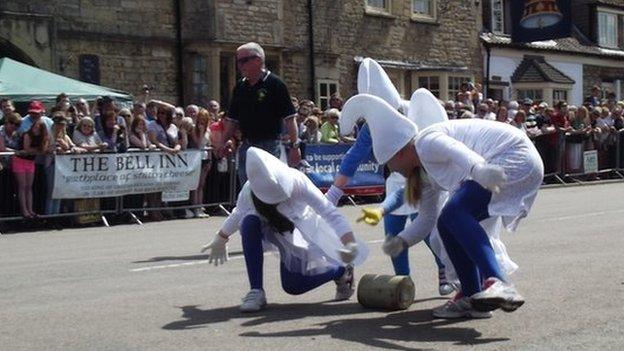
<point x="195" y="263"/>
<point x="554" y="219"/>
<point x="583" y="215"/>
<point x="151" y="268"/>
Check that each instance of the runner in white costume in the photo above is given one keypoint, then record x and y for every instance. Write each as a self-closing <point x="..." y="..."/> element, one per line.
<point x="280" y="209"/>
<point x="372" y="79"/>
<point x="490" y="169"/>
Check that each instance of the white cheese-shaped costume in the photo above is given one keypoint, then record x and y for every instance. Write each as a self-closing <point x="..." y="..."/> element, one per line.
<point x="312" y="248"/>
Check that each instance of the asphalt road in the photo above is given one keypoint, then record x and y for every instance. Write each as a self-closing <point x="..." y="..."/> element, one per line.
<point x="147" y="287"/>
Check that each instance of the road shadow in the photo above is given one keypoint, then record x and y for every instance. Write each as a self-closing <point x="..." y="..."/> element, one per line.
<point x="195" y="317"/>
<point x="391" y="331"/>
<point x="185" y="258"/>
<point x="388" y="331"/>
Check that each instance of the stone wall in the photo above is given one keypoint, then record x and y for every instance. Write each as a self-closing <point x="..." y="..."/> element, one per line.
<point x="594" y="75"/>
<point x="136" y="44"/>
<point x="344" y="28"/>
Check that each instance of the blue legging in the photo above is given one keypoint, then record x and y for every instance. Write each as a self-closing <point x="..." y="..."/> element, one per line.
<point x="393" y="225"/>
<point x="466" y="243"/>
<point x="292" y="283"/>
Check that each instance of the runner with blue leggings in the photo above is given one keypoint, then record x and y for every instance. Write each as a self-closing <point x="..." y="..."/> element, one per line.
<point x="393" y="211"/>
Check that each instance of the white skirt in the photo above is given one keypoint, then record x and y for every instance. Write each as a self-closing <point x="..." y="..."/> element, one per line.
<point x="311" y="248"/>
<point x="525" y="172"/>
<point x="297" y="255"/>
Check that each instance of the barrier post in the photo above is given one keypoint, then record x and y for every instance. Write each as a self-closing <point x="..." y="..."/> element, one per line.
<point x="618" y="153"/>
<point x="233" y="177"/>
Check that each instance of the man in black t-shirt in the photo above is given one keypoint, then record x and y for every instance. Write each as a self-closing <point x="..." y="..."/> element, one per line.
<point x="260" y="107"/>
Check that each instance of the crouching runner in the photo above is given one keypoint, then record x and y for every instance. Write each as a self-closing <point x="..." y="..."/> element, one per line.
<point x="280" y="209"/>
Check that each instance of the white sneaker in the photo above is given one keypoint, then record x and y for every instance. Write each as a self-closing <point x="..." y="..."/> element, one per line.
<point x="254" y="301"/>
<point x="459" y="307"/>
<point x="497" y="294"/>
<point x="444" y="287"/>
<point x="188" y="214"/>
<point x="199" y="213"/>
<point x="344" y="284"/>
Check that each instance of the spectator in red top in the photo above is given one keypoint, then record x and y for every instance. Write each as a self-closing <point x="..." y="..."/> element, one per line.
<point x="559" y="116"/>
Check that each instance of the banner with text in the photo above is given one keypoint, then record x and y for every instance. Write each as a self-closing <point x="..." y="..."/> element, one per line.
<point x="108" y="175"/>
<point x="325" y="161"/>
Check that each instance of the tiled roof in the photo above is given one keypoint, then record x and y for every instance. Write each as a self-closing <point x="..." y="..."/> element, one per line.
<point x="535" y="69"/>
<point x="618" y="3"/>
<point x="571" y="45"/>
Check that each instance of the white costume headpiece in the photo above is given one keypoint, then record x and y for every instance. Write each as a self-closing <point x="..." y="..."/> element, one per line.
<point x="390" y="130"/>
<point x="372" y="79"/>
<point x="269" y="178"/>
<point x="425" y="109"/>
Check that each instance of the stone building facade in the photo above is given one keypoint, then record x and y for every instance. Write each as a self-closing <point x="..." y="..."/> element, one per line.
<point x="184" y="50"/>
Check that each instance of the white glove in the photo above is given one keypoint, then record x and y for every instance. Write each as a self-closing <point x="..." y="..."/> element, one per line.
<point x="349" y="252"/>
<point x="393" y="246"/>
<point x="491" y="177"/>
<point x="334" y="194"/>
<point x="218" y="250"/>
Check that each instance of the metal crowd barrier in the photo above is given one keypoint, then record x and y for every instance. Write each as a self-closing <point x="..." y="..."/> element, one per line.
<point x="613" y="155"/>
<point x="556" y="164"/>
<point x="553" y="162"/>
<point x="115" y="205"/>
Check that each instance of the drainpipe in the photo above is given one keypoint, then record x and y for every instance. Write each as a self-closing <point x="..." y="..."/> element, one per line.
<point x="487" y="70"/>
<point x="311" y="43"/>
<point x="177" y="7"/>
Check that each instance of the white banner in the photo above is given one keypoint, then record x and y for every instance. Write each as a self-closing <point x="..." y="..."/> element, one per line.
<point x="108" y="175"/>
<point x="590" y="161"/>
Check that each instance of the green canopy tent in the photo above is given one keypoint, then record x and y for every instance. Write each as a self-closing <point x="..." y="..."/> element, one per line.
<point x="23" y="83"/>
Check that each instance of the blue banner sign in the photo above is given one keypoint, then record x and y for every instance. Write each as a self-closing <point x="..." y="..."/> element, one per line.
<point x="325" y="162"/>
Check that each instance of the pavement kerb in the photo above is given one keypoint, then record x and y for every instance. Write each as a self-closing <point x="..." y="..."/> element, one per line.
<point x="593" y="182"/>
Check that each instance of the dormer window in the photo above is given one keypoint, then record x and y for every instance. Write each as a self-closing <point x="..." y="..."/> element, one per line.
<point x="608" y="29"/>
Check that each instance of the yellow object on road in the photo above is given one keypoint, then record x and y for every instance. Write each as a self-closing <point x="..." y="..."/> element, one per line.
<point x="371" y="216"/>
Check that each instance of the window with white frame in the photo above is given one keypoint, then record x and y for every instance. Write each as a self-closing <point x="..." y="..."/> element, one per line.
<point x="454" y="85"/>
<point x="498" y="16"/>
<point x="200" y="84"/>
<point x="560" y="95"/>
<point x="533" y="94"/>
<point x="431" y="83"/>
<point x="378" y="5"/>
<point x="607" y="29"/>
<point x="324" y="90"/>
<point x="423" y="8"/>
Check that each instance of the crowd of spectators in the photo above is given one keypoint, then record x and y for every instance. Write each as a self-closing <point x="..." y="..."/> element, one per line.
<point x="29" y="143"/>
<point x="569" y="129"/>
